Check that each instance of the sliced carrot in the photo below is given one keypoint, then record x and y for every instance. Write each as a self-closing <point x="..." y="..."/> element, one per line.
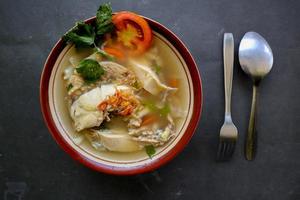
<point x="174" y="82"/>
<point x="149" y="119"/>
<point x="115" y="52"/>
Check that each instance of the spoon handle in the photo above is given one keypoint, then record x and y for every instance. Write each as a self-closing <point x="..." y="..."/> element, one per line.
<point x="251" y="140"/>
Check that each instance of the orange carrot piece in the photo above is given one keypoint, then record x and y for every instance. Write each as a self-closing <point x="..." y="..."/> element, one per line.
<point x="115" y="52"/>
<point x="174" y="82"/>
<point x="149" y="119"/>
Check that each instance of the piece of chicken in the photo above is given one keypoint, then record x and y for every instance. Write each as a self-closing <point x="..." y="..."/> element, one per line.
<point x="85" y="112"/>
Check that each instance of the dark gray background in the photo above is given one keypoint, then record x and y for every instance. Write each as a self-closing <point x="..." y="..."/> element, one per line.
<point x="33" y="166"/>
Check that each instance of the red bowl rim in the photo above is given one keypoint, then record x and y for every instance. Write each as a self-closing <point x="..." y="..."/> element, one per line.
<point x="156" y="163"/>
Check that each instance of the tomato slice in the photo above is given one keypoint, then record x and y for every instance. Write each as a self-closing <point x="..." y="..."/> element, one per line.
<point x="133" y="32"/>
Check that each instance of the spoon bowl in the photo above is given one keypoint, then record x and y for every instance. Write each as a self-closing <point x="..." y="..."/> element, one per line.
<point x="256" y="59"/>
<point x="255" y="55"/>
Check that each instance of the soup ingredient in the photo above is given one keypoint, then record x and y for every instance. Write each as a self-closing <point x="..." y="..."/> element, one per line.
<point x="115" y="52"/>
<point x="163" y="110"/>
<point x="149" y="119"/>
<point x="87" y="35"/>
<point x="133" y="32"/>
<point x="76" y="81"/>
<point x="68" y="72"/>
<point x="117" y="73"/>
<point x="153" y="136"/>
<point x="94" y="138"/>
<point x="84" y="110"/>
<point x="149" y="79"/>
<point x="150" y="150"/>
<point x="90" y="70"/>
<point x="121" y="103"/>
<point x="174" y="82"/>
<point x="104" y="19"/>
<point x="156" y="67"/>
<point x="102" y="54"/>
<point x="69" y="87"/>
<point x="82" y="35"/>
<point x="74" y="60"/>
<point x="118" y="140"/>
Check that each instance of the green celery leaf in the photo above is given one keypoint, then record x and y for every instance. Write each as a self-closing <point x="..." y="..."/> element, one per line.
<point x="156" y="67"/>
<point x="164" y="111"/>
<point x="104" y="19"/>
<point x="150" y="150"/>
<point x="151" y="105"/>
<point x="90" y="70"/>
<point x="82" y="35"/>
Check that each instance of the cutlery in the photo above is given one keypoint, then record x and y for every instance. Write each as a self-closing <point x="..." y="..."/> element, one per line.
<point x="228" y="132"/>
<point x="256" y="59"/>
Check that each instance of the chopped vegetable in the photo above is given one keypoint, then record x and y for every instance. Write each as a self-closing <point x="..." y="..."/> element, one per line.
<point x="82" y="35"/>
<point x="149" y="119"/>
<point x="69" y="87"/>
<point x="104" y="19"/>
<point x="174" y="82"/>
<point x="133" y="32"/>
<point x="164" y="111"/>
<point x="164" y="136"/>
<point x="150" y="150"/>
<point x="90" y="70"/>
<point x="115" y="52"/>
<point x="151" y="105"/>
<point x="157" y="69"/>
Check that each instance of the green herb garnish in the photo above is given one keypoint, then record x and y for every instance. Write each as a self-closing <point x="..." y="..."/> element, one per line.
<point x="88" y="35"/>
<point x="104" y="19"/>
<point x="90" y="70"/>
<point x="69" y="87"/>
<point x="82" y="35"/>
<point x="150" y="150"/>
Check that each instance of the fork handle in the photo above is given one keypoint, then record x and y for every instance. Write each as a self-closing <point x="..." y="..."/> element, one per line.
<point x="228" y="53"/>
<point x="251" y="139"/>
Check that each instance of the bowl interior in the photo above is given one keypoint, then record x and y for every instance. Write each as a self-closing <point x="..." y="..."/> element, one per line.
<point x="63" y="122"/>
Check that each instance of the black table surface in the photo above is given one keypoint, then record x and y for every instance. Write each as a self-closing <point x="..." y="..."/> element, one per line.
<point x="33" y="166"/>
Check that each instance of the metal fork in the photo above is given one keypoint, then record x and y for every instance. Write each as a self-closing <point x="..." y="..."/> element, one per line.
<point x="228" y="132"/>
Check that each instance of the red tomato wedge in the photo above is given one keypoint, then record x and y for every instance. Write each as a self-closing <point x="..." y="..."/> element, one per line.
<point x="133" y="32"/>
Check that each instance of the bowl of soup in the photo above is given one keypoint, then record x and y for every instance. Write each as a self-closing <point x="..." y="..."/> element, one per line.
<point x="122" y="110"/>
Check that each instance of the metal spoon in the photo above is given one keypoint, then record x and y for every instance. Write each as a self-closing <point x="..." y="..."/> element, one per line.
<point x="256" y="59"/>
